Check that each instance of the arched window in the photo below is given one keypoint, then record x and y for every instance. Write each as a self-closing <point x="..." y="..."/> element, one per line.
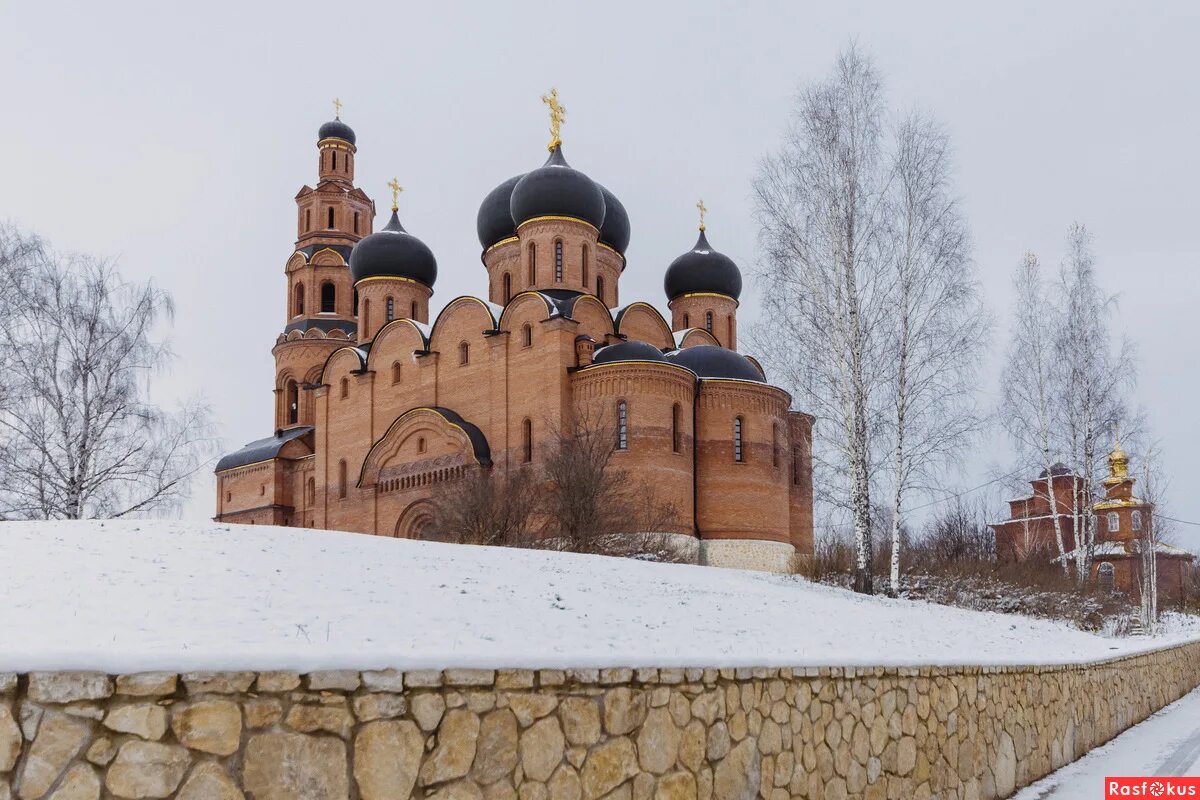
<point x="527" y="441"/>
<point x="796" y="466"/>
<point x="729" y="327"/>
<point x="356" y="222"/>
<point x="528" y="330"/>
<point x="413" y="310"/>
<point x="1135" y="520"/>
<point x="307" y="220"/>
<point x="366" y="315"/>
<point x="686" y="322"/>
<point x="293" y="402"/>
<point x="355" y="302"/>
<point x="532" y="263"/>
<point x="775" y="445"/>
<point x="1106" y="575"/>
<point x="299" y="306"/>
<point x="330" y="224"/>
<point x="391" y="310"/>
<point x="558" y="261"/>
<point x="333" y="153"/>
<point x="342" y="479"/>
<point x="345" y="388"/>
<point x="328" y="298"/>
<point x="464" y="354"/>
<point x="421" y="445"/>
<point x="395" y="372"/>
<point x="584" y="262"/>
<point x="676" y="440"/>
<point x="600" y="288"/>
<point x="622" y="426"/>
<point x="310" y="492"/>
<point x="1114" y="522"/>
<point x="737" y="439"/>
<point x="507" y="288"/>
<point x="708" y="321"/>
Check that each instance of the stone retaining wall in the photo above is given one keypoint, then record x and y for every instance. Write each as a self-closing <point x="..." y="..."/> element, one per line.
<point x="645" y="734"/>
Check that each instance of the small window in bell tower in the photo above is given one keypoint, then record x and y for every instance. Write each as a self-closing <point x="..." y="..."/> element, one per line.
<point x="330" y="225"/>
<point x="334" y="154"/>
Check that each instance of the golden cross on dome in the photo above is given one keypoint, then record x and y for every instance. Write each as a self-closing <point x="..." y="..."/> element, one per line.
<point x="703" y="209"/>
<point x="396" y="190"/>
<point x="337" y="108"/>
<point x="557" y="115"/>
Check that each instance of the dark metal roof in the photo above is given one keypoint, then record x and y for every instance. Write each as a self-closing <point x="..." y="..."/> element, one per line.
<point x="494" y="221"/>
<point x="262" y="449"/>
<point x="615" y="230"/>
<point x="632" y="350"/>
<point x="703" y="269"/>
<point x="479" y="442"/>
<point x="1057" y="469"/>
<point x="310" y="250"/>
<point x="394" y="252"/>
<point x="710" y="361"/>
<point x="555" y="189"/>
<point x="325" y="325"/>
<point x="336" y="129"/>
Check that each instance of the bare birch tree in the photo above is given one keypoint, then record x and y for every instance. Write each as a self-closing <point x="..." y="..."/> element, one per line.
<point x="79" y="437"/>
<point x="1032" y="381"/>
<point x="822" y="208"/>
<point x="1096" y="378"/>
<point x="937" y="326"/>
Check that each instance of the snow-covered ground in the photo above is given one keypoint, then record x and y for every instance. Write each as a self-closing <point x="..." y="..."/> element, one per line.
<point x="131" y="596"/>
<point x="1168" y="743"/>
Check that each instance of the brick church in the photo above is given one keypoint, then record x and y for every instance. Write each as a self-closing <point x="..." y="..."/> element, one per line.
<point x="377" y="405"/>
<point x="1123" y="523"/>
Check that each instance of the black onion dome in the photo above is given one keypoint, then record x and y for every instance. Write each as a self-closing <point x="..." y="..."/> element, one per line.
<point x="393" y="252"/>
<point x="615" y="230"/>
<point x="336" y="129"/>
<point x="494" y="222"/>
<point x="632" y="350"/>
<point x="556" y="190"/>
<point x="710" y="361"/>
<point x="703" y="269"/>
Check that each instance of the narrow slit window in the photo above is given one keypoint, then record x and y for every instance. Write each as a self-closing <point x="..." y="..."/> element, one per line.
<point x="328" y="298"/>
<point x="622" y="426"/>
<point x="413" y="310"/>
<point x="307" y="220"/>
<point x="775" y="446"/>
<point x="507" y="288"/>
<point x="395" y="372"/>
<point x="584" y="262"/>
<point x="356" y="222"/>
<point x="299" y="299"/>
<point x="330" y="225"/>
<point x="737" y="439"/>
<point x="558" y="262"/>
<point x="686" y="322"/>
<point x="391" y="310"/>
<point x="345" y="388"/>
<point x="676" y="443"/>
<point x="527" y="441"/>
<point x="708" y="321"/>
<point x="600" y="288"/>
<point x="464" y="354"/>
<point x="528" y="335"/>
<point x="796" y="466"/>
<point x="532" y="264"/>
<point x="334" y="154"/>
<point x="342" y="479"/>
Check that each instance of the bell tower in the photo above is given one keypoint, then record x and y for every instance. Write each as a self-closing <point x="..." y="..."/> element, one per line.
<point x="321" y="305"/>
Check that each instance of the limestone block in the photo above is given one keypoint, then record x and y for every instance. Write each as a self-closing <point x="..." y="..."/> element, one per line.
<point x="718" y="742"/>
<point x="676" y="786"/>
<point x="340" y="680"/>
<point x="542" y="748"/>
<point x="10" y="739"/>
<point x="369" y="707"/>
<point x="427" y="710"/>
<point x="460" y="790"/>
<point x="218" y="682"/>
<point x="211" y="726"/>
<point x="608" y="766"/>
<point x="147" y="769"/>
<point x="423" y="678"/>
<point x="565" y="784"/>
<point x="313" y="719"/>
<point x="387" y="756"/>
<point x="8" y="682"/>
<point x="383" y="680"/>
<point x="737" y="776"/>
<point x="469" y="677"/>
<point x="455" y="751"/>
<point x="147" y="684"/>
<point x="692" y="745"/>
<point x="531" y="707"/>
<point x="624" y="710"/>
<point x="1005" y="768"/>
<point x="101" y="752"/>
<point x="209" y="782"/>
<point x="287" y="766"/>
<point x="580" y="720"/>
<point x="59" y="740"/>
<point x="68" y="687"/>
<point x="277" y="681"/>
<point x="80" y="783"/>
<point x="496" y="754"/>
<point x="262" y="712"/>
<point x="515" y="679"/>
<point x="658" y="742"/>
<point x="146" y="720"/>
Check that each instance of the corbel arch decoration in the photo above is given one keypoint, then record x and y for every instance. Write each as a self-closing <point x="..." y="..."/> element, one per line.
<point x="439" y="429"/>
<point x="694" y="336"/>
<point x="641" y="321"/>
<point x="450" y="322"/>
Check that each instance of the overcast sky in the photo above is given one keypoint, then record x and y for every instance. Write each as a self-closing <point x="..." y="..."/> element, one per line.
<point x="173" y="137"/>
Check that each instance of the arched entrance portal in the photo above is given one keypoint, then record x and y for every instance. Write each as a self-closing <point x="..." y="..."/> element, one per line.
<point x="419" y="521"/>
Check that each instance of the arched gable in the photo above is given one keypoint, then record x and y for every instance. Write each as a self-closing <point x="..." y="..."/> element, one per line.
<point x="520" y="306"/>
<point x="594" y="317"/>
<point x="344" y="360"/>
<point x="423" y="433"/>
<point x="327" y="257"/>
<point x="690" y="337"/>
<point x="295" y="262"/>
<point x="757" y="365"/>
<point x="641" y="321"/>
<point x="400" y="338"/>
<point x="462" y="317"/>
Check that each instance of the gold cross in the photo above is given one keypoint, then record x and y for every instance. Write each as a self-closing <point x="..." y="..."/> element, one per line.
<point x="557" y="115"/>
<point x="337" y="108"/>
<point x="703" y="210"/>
<point x="396" y="190"/>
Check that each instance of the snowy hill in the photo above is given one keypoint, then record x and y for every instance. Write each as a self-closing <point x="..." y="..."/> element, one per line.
<point x="130" y="596"/>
